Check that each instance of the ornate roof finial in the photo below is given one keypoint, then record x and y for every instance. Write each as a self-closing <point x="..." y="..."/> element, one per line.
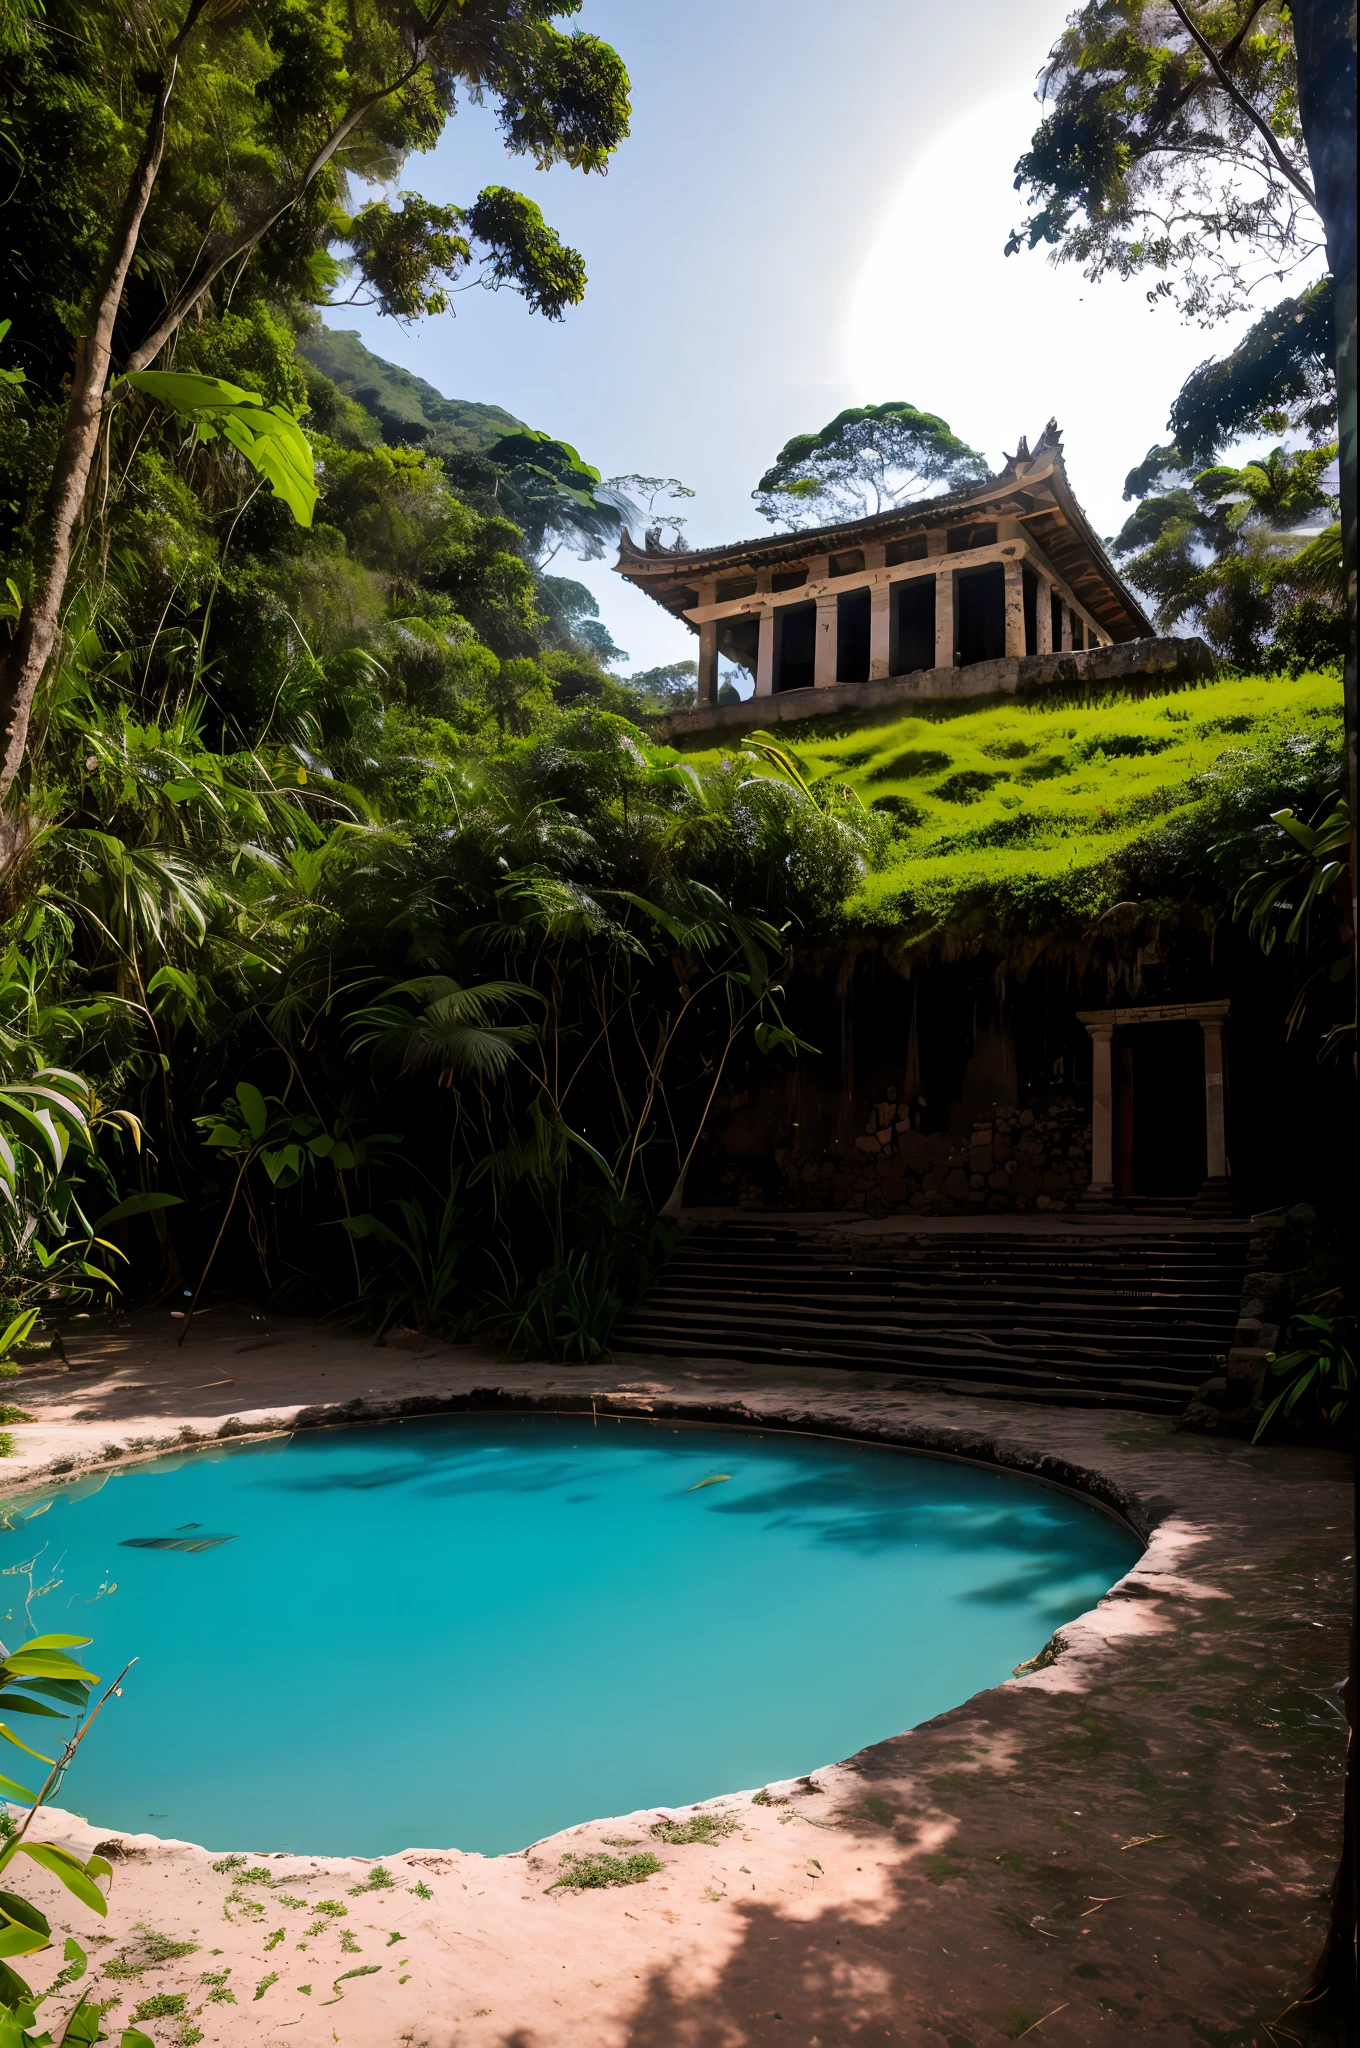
<point x="1050" y="441"/>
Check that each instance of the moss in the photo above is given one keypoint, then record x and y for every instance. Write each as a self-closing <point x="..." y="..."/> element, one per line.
<point x="1030" y="808"/>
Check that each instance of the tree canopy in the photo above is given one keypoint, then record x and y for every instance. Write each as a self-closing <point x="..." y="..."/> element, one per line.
<point x="198" y="156"/>
<point x="1235" y="552"/>
<point x="1171" y="144"/>
<point x="868" y="459"/>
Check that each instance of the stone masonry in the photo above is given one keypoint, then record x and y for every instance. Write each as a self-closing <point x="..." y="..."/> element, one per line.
<point x="1020" y="1159"/>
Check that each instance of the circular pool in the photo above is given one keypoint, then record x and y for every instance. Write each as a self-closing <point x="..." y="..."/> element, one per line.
<point x="471" y="1631"/>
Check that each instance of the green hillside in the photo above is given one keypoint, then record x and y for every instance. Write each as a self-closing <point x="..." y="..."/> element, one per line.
<point x="1016" y="813"/>
<point x="397" y="399"/>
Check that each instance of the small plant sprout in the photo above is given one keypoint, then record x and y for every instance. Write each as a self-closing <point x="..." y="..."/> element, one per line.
<point x="700" y="1827"/>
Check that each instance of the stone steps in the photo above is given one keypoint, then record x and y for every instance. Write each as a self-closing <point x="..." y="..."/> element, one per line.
<point x="1092" y="1322"/>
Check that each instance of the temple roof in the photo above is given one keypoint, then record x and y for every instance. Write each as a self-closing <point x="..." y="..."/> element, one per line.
<point x="1032" y="487"/>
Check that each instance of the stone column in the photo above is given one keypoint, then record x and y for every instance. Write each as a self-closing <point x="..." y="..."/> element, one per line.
<point x="765" y="655"/>
<point x="944" y="618"/>
<point x="824" y="661"/>
<point x="1213" y="1195"/>
<point x="708" y="664"/>
<point x="1101" y="1189"/>
<point x="880" y="632"/>
<point x="1067" y="629"/>
<point x="1015" y="609"/>
<point x="1044" y="618"/>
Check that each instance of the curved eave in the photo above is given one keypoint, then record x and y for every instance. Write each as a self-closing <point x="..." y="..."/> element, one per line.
<point x="772" y="548"/>
<point x="1101" y="588"/>
<point x="1040" y="497"/>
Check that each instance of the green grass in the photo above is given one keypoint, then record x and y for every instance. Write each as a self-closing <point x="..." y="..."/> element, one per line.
<point x="165" y="2005"/>
<point x="587" y="1873"/>
<point x="700" y="1827"/>
<point x="1017" y="806"/>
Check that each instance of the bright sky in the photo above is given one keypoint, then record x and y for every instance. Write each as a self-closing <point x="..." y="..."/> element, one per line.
<point x="810" y="214"/>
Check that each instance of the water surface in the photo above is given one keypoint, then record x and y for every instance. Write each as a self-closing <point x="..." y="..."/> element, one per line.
<point x="468" y="1632"/>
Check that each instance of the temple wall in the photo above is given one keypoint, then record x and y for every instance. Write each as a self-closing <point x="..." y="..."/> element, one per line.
<point x="1154" y="661"/>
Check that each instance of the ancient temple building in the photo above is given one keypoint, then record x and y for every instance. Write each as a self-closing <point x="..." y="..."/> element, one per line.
<point x="1002" y="586"/>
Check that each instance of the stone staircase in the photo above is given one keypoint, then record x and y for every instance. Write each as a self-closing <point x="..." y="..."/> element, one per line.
<point x="1128" y="1320"/>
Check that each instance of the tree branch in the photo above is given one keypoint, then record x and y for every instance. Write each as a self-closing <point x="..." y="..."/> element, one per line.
<point x="1243" y="104"/>
<point x="248" y="238"/>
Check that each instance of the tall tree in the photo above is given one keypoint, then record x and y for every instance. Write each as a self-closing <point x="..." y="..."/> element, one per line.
<point x="1326" y="33"/>
<point x="868" y="459"/>
<point x="229" y="140"/>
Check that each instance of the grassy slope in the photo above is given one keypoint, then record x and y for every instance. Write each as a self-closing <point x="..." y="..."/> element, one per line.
<point x="1020" y="805"/>
<point x="396" y="397"/>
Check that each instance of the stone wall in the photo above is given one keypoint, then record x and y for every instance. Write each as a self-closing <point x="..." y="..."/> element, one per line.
<point x="1154" y="662"/>
<point x="1020" y="1159"/>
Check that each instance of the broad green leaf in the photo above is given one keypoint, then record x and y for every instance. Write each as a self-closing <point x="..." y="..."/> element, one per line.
<point x="56" y="1642"/>
<point x="75" y="1954"/>
<point x="16" y="2023"/>
<point x="13" y="1791"/>
<point x="84" y="2027"/>
<point x="71" y="1873"/>
<point x="55" y="1689"/>
<point x="137" y="1205"/>
<point x="10" y="1736"/>
<point x="98" y="1866"/>
<point x="253" y="1108"/>
<point x="133" y="2037"/>
<point x="15" y="1703"/>
<point x="27" y="1915"/>
<point x="270" y="439"/>
<point x="27" y="1663"/>
<point x="21" y="1941"/>
<point x="15" y="1994"/>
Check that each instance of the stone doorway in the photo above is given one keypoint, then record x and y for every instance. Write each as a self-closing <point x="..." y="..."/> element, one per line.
<point x="1158" y="1129"/>
<point x="1160" y="1142"/>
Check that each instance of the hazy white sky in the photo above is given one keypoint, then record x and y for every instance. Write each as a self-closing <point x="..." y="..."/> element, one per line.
<point x="810" y="214"/>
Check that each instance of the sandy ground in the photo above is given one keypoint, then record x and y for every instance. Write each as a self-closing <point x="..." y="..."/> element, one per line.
<point x="1133" y="1843"/>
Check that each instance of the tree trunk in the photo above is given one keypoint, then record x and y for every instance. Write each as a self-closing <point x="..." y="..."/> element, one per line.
<point x="39" y="624"/>
<point x="1324" y="37"/>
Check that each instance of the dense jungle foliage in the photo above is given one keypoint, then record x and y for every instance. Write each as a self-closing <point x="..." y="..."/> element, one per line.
<point x="399" y="964"/>
<point x="360" y="946"/>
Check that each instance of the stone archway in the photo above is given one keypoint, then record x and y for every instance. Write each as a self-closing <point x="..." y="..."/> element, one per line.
<point x="1213" y="1196"/>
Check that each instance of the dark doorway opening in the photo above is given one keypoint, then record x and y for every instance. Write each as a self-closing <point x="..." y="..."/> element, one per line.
<point x="1159" y="1137"/>
<point x="852" y="637"/>
<point x="795" y="628"/>
<point x="1031" y="589"/>
<point x="982" y="614"/>
<point x="915" y="625"/>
